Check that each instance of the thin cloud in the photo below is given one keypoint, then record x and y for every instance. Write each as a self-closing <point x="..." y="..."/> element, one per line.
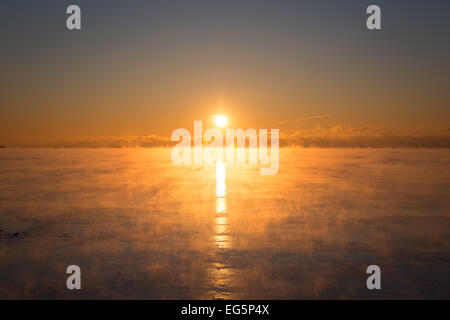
<point x="360" y="129"/>
<point x="323" y="115"/>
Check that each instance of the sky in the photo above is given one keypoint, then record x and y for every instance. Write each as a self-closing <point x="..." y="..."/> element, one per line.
<point x="141" y="69"/>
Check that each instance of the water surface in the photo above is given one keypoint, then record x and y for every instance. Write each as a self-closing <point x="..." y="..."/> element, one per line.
<point x="141" y="227"/>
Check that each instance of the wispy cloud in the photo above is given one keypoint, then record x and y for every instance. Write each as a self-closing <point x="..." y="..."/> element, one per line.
<point x="360" y="129"/>
<point x="413" y="136"/>
<point x="319" y="116"/>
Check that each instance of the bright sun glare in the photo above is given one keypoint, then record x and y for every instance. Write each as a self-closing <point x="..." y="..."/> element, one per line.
<point x="220" y="121"/>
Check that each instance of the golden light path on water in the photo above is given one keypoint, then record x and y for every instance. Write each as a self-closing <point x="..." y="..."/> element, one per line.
<point x="221" y="225"/>
<point x="220" y="270"/>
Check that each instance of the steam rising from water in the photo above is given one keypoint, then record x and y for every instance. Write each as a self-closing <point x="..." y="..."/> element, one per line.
<point x="141" y="227"/>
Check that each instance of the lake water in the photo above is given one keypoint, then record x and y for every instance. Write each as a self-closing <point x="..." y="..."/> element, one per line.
<point x="141" y="227"/>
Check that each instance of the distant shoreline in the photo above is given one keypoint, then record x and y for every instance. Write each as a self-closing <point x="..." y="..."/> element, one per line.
<point x="388" y="141"/>
<point x="281" y="147"/>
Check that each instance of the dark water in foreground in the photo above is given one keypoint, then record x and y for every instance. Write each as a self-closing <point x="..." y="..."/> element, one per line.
<point x="141" y="227"/>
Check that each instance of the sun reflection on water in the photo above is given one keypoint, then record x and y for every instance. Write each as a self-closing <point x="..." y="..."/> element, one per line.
<point x="221" y="227"/>
<point x="219" y="270"/>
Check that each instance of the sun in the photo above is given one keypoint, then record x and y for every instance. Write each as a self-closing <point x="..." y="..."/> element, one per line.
<point x="220" y="121"/>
